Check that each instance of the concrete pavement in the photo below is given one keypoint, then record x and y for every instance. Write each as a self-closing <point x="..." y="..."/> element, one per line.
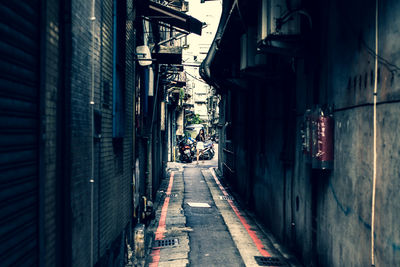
<point x="198" y="223"/>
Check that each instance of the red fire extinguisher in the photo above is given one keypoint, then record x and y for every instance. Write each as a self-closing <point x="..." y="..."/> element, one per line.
<point x="322" y="140"/>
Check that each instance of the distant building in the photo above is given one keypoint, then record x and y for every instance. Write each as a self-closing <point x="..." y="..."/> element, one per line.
<point x="193" y="56"/>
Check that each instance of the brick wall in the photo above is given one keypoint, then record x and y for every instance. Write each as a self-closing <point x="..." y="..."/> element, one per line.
<point x="130" y="83"/>
<point x="112" y="158"/>
<point x="81" y="136"/>
<point x="50" y="127"/>
<point x="107" y="161"/>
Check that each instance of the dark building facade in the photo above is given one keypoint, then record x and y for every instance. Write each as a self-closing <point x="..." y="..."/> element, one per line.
<point x="161" y="27"/>
<point x="67" y="111"/>
<point x="274" y="62"/>
<point x="85" y="129"/>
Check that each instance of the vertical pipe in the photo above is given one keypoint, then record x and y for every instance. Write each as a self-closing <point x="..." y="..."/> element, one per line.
<point x="93" y="20"/>
<point x="150" y="140"/>
<point x="150" y="167"/>
<point x="134" y="83"/>
<point x="375" y="128"/>
<point x="100" y="141"/>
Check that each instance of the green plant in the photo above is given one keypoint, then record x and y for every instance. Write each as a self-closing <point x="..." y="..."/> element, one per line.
<point x="194" y="119"/>
<point x="181" y="96"/>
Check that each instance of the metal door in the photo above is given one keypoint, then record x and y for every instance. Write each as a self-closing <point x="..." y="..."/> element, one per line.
<point x="19" y="123"/>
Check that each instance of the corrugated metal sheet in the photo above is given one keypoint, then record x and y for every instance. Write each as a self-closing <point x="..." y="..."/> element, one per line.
<point x="19" y="121"/>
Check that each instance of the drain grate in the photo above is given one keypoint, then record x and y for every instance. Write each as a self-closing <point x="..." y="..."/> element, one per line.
<point x="166" y="242"/>
<point x="269" y="261"/>
<point x="225" y="197"/>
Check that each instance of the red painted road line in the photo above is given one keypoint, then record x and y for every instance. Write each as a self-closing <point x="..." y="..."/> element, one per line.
<point x="252" y="233"/>
<point x="161" y="224"/>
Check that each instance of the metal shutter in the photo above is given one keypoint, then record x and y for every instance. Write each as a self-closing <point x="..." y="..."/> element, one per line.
<point x="19" y="122"/>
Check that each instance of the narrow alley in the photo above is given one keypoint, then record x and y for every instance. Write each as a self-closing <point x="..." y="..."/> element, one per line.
<point x="199" y="223"/>
<point x="199" y="133"/>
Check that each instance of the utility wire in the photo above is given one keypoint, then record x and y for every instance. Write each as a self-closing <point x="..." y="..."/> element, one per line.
<point x="389" y="65"/>
<point x="194" y="77"/>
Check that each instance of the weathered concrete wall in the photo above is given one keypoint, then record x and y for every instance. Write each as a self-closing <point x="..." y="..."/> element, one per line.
<point x="346" y="206"/>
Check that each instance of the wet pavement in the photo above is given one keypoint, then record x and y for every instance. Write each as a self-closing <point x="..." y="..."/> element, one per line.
<point x="199" y="223"/>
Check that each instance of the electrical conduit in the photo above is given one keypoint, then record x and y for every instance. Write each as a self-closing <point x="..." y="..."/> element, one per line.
<point x="374" y="148"/>
<point x="92" y="19"/>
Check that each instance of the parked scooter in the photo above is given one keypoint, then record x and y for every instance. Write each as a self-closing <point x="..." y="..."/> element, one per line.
<point x="185" y="153"/>
<point x="208" y="152"/>
<point x="192" y="142"/>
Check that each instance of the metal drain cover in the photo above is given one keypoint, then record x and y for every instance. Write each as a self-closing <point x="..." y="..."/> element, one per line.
<point x="225" y="197"/>
<point x="269" y="261"/>
<point x="169" y="242"/>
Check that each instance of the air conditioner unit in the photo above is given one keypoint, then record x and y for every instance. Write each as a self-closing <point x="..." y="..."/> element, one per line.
<point x="279" y="24"/>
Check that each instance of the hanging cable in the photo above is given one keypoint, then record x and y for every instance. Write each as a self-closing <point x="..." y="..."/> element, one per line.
<point x="385" y="62"/>
<point x="285" y="18"/>
<point x="375" y="154"/>
<point x="390" y="66"/>
<point x="194" y="77"/>
<point x="236" y="3"/>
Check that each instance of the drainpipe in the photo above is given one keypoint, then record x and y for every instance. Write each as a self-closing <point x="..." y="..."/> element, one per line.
<point x="149" y="167"/>
<point x="93" y="20"/>
<point x="150" y="142"/>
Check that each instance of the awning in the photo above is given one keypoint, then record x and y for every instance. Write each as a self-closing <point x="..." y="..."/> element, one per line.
<point x="173" y="17"/>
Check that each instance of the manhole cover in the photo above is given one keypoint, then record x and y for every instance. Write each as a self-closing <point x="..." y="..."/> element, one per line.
<point x="166" y="242"/>
<point x="225" y="197"/>
<point x="269" y="261"/>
